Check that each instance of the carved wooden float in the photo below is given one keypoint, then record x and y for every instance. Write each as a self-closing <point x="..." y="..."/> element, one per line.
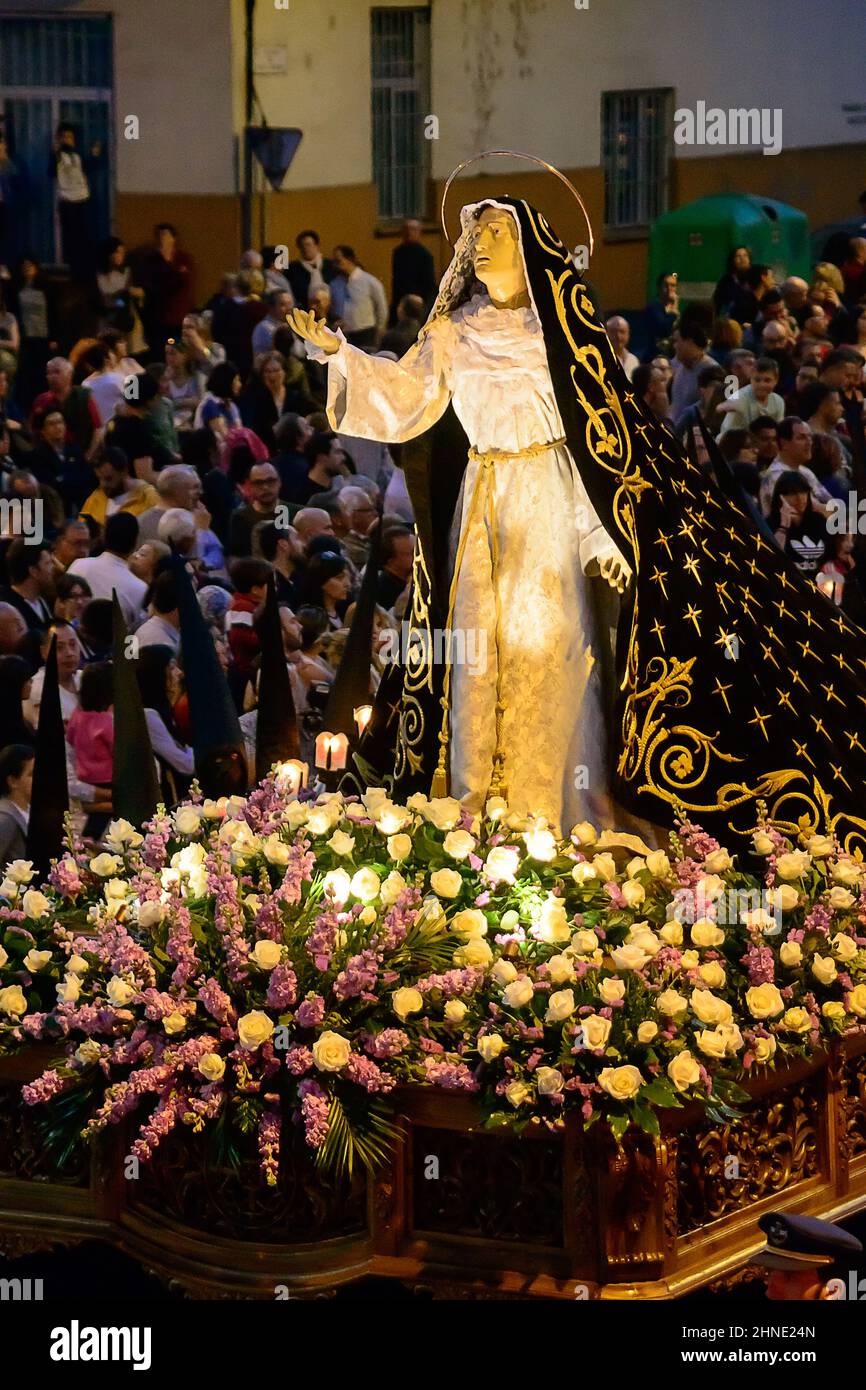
<point x="461" y="1210"/>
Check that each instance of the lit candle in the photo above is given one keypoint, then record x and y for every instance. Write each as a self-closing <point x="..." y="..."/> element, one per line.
<point x="363" y="714"/>
<point x="331" y="750"/>
<point x="292" y="775"/>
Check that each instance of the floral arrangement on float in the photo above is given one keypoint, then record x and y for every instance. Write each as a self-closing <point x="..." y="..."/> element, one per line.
<point x="245" y="966"/>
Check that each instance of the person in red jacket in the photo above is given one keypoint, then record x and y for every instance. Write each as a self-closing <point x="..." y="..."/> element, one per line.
<point x="250" y="578"/>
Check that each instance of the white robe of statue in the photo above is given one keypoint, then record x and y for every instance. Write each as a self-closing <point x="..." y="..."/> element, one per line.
<point x="491" y="364"/>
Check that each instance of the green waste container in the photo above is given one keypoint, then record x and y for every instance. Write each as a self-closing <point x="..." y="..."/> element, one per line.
<point x="696" y="240"/>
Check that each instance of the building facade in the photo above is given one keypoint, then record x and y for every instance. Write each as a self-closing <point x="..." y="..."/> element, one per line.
<point x="390" y="96"/>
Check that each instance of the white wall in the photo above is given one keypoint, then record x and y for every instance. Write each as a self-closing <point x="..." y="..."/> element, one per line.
<point x="172" y="69"/>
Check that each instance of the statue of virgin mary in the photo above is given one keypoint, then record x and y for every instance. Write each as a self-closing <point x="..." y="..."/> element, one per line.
<point x="740" y="688"/>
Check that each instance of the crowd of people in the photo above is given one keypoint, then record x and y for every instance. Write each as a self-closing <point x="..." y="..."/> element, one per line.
<point x="774" y="374"/>
<point x="182" y="424"/>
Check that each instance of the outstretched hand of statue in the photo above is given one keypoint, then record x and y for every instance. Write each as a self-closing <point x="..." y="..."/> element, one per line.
<point x="313" y="330"/>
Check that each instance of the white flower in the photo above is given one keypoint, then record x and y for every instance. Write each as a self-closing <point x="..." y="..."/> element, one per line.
<point x="407" y="1001"/>
<point x="68" y="990"/>
<point x="540" y="844"/>
<point x="605" y="867"/>
<point x="455" y="1011"/>
<point x="672" y="934"/>
<point x="718" y="861"/>
<point x="337" y="885"/>
<point x="35" y="961"/>
<point x="391" y="819"/>
<point x="174" y="1023"/>
<point x="584" y="942"/>
<point x="254" y="1029"/>
<point x="785" y="897"/>
<point x="471" y="922"/>
<point x="762" y="843"/>
<point x="824" y="969"/>
<point x="490" y="1046"/>
<point x="620" y="1082"/>
<point x="459" y="844"/>
<point x="610" y="990"/>
<point x="595" y="1031"/>
<point x="503" y="972"/>
<point x="684" y="1071"/>
<point x="3" y="957"/>
<point x="846" y="871"/>
<point x="820" y="846"/>
<point x="495" y="808"/>
<point x="119" y="991"/>
<point x="633" y="892"/>
<point x="365" y="884"/>
<point x="553" y="921"/>
<point x="35" y="904"/>
<point x="794" y="864"/>
<point x="671" y="1003"/>
<point x="706" y="933"/>
<point x="764" y="1049"/>
<point x="214" y="810"/>
<point x="628" y="957"/>
<point x="212" y="1066"/>
<point x="392" y="887"/>
<point x="77" y="965"/>
<point x="647" y="1031"/>
<point x="441" y="811"/>
<point x="341" y="843"/>
<point x="711" y="1042"/>
<point x="13" y="1002"/>
<point x="840" y="898"/>
<point x="519" y="993"/>
<point x="106" y="865"/>
<point x="267" y="954"/>
<point x="295" y="814"/>
<point x="845" y="948"/>
<point x="560" y="1006"/>
<point x="87" y="1052"/>
<point x="516" y="1093"/>
<point x="275" y="850"/>
<point x="399" y="846"/>
<point x="549" y="1081"/>
<point x="560" y="969"/>
<point x="20" y="871"/>
<point x="658" y="864"/>
<point x="149" y="914"/>
<point x="641" y="934"/>
<point x="583" y="873"/>
<point x="764" y="1001"/>
<point x="790" y="953"/>
<point x="709" y="1007"/>
<point x="712" y="974"/>
<point x="188" y="819"/>
<point x="331" y="1051"/>
<point x="8" y="889"/>
<point x="475" y="953"/>
<point x="446" y="882"/>
<point x="502" y="864"/>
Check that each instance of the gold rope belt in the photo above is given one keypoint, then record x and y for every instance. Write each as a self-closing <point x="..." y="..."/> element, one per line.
<point x="485" y="460"/>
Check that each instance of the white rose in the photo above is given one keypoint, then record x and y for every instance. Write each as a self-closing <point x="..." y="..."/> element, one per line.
<point x="35" y="904"/>
<point x="690" y="960"/>
<point x="711" y="1043"/>
<point x="267" y="954"/>
<point x="658" y="864"/>
<point x="844" y="946"/>
<point x="295" y="814"/>
<point x="628" y="957"/>
<point x="35" y="961"/>
<point x="20" y="871"/>
<point x="584" y="873"/>
<point x="846" y="871"/>
<point x="69" y="989"/>
<point x="764" y="1001"/>
<point x="393" y="886"/>
<point x="797" y="1020"/>
<point x="77" y="965"/>
<point x="833" y="1010"/>
<point x="455" y="1011"/>
<point x="820" y="846"/>
<point x="87" y="1053"/>
<point x="605" y="867"/>
<point x="672" y="934"/>
<point x="785" y="896"/>
<point x="718" y="861"/>
<point x="471" y="922"/>
<point x="337" y="885"/>
<point x="13" y="1002"/>
<point x="446" y="882"/>
<point x="671" y="1003"/>
<point x="502" y="863"/>
<point x="343" y="844"/>
<point x="553" y="921"/>
<point x="611" y="991"/>
<point x="106" y="865"/>
<point x="475" y="953"/>
<point x="794" y="864"/>
<point x="331" y="1051"/>
<point x="516" y="1093"/>
<point x="856" y="1000"/>
<point x="503" y="972"/>
<point x="399" y="846"/>
<point x="8" y="889"/>
<point x="441" y="811"/>
<point x="119" y="991"/>
<point x="584" y="942"/>
<point x="762" y="843"/>
<point x="709" y="1008"/>
<point x="560" y="969"/>
<point x="824" y="969"/>
<point x="712" y="974"/>
<point x="595" y="1030"/>
<point x="838" y="897"/>
<point x="647" y="1031"/>
<point x="188" y="819"/>
<point x="407" y="1001"/>
<point x="212" y="1066"/>
<point x="635" y="866"/>
<point x="174" y="1023"/>
<point x="519" y="993"/>
<point x="365" y="884"/>
<point x="560" y="1006"/>
<point x="540" y="844"/>
<point x="620" y="1082"/>
<point x="733" y="1037"/>
<point x="633" y="892"/>
<point x="706" y="933"/>
<point x="495" y="808"/>
<point x="684" y="1071"/>
<point x="790" y="954"/>
<point x="3" y="957"/>
<point x="549" y="1081"/>
<point x="254" y="1029"/>
<point x="391" y="819"/>
<point x="459" y="844"/>
<point x="490" y="1046"/>
<point x="764" y="1049"/>
<point x="150" y="913"/>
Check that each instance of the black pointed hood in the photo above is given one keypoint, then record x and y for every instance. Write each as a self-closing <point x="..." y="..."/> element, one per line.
<point x="49" y="801"/>
<point x="277" y="737"/>
<point x="135" y="784"/>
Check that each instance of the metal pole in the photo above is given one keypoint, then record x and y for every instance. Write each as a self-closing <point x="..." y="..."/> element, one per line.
<point x="249" y="99"/>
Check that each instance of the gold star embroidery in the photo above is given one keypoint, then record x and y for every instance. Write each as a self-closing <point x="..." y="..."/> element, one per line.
<point x="658" y="630"/>
<point x="658" y="577"/>
<point x="801" y="752"/>
<point x="796" y="677"/>
<point x="687" y="530"/>
<point x="783" y="612"/>
<point x="806" y="649"/>
<point x="692" y="614"/>
<point x="854" y="741"/>
<point x="662" y="539"/>
<point x="842" y="663"/>
<point x="819" y="725"/>
<point x="837" y="773"/>
<point x="722" y="690"/>
<point x="768" y="654"/>
<point x="831" y="695"/>
<point x="784" y="580"/>
<point x="728" y="640"/>
<point x="761" y="719"/>
<point x="785" y="699"/>
<point x="691" y="565"/>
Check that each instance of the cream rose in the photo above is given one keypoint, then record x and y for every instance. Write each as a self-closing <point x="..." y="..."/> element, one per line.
<point x="343" y="844"/>
<point x="496" y="808"/>
<point x="671" y="1003"/>
<point x="762" y="843"/>
<point x="690" y="960"/>
<point x="470" y="923"/>
<point x="672" y="934"/>
<point x="718" y="861"/>
<point x="553" y="921"/>
<point x="628" y="957"/>
<point x="712" y="974"/>
<point x="620" y="1082"/>
<point x="150" y="913"/>
<point x="790" y="954"/>
<point x="683" y="1071"/>
<point x="560" y="1006"/>
<point x="856" y="1000"/>
<point x="331" y="1051"/>
<point x="517" y="1093"/>
<point x="20" y="871"/>
<point x="824" y="969"/>
<point x="187" y="820"/>
<point x="840" y="898"/>
<point x="610" y="990"/>
<point x="764" y="1049"/>
<point x="540" y="844"/>
<point x="69" y="989"/>
<point x="441" y="811"/>
<point x="458" y="844"/>
<point x="119" y="991"/>
<point x="254" y="1029"/>
<point x="820" y="846"/>
<point x="844" y="946"/>
<point x="490" y="1046"/>
<point x="519" y="993"/>
<point x="399" y="847"/>
<point x="77" y="965"/>
<point x="12" y="1001"/>
<point x="549" y="1081"/>
<point x="585" y="833"/>
<point x="455" y="1011"/>
<point x="705" y="933"/>
<point x="797" y="1020"/>
<point x="794" y="864"/>
<point x="337" y="885"/>
<point x="35" y="904"/>
<point x="647" y="1031"/>
<point x="502" y="863"/>
<point x="475" y="953"/>
<point x="392" y="887"/>
<point x="784" y="897"/>
<point x="658" y="864"/>
<point x="365" y="885"/>
<point x="833" y="1010"/>
<point x="35" y="961"/>
<point x="847" y="872"/>
<point x="595" y="1030"/>
<point x="446" y="882"/>
<point x="503" y="972"/>
<point x="584" y="942"/>
<point x="709" y="1008"/>
<point x="605" y="867"/>
<point x="764" y="1001"/>
<point x="407" y="1001"/>
<point x="267" y="954"/>
<point x="584" y="873"/>
<point x="560" y="969"/>
<point x="212" y="1066"/>
<point x="174" y="1023"/>
<point x="711" y="1043"/>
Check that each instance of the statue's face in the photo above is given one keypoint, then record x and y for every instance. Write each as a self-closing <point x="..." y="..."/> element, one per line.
<point x="498" y="263"/>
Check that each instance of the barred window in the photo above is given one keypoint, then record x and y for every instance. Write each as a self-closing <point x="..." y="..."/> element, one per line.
<point x="400" y="40"/>
<point x="635" y="154"/>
